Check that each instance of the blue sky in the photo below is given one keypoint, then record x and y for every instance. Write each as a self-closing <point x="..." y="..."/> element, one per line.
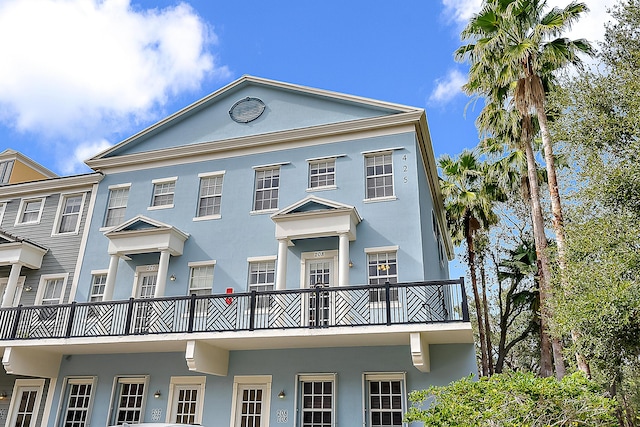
<point x="80" y="75"/>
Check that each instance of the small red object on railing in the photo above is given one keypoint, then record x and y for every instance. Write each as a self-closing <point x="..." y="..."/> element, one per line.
<point x="228" y="300"/>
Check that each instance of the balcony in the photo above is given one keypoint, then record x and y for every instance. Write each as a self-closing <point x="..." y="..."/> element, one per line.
<point x="435" y="302"/>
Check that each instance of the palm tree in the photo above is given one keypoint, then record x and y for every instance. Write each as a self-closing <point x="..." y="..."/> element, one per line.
<point x="469" y="199"/>
<point x="516" y="46"/>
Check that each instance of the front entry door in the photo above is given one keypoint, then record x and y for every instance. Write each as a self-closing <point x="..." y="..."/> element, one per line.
<point x="146" y="289"/>
<point x="319" y="274"/>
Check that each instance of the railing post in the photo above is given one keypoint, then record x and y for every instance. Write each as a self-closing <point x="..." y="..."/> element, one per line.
<point x="252" y="310"/>
<point x="127" y="325"/>
<point x="72" y="313"/>
<point x="14" y="328"/>
<point x="317" y="319"/>
<point x="387" y="297"/>
<point x="192" y="312"/>
<point x="465" y="305"/>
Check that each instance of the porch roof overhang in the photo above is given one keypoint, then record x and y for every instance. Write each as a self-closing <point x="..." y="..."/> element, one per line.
<point x="316" y="217"/>
<point x="14" y="250"/>
<point x="144" y="235"/>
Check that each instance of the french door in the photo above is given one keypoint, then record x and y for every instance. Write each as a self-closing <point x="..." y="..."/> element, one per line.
<point x="146" y="288"/>
<point x="319" y="274"/>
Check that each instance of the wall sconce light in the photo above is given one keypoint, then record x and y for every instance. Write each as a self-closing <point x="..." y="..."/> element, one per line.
<point x="3" y="395"/>
<point x="28" y="288"/>
<point x="350" y="264"/>
<point x="157" y="394"/>
<point x="172" y="278"/>
<point x="281" y="395"/>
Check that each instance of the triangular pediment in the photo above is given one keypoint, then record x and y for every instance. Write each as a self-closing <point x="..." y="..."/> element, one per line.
<point x="138" y="223"/>
<point x="141" y="234"/>
<point x="247" y="107"/>
<point x="313" y="204"/>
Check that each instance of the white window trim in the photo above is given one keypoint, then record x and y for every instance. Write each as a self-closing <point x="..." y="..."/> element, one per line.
<point x="379" y="249"/>
<point x="196" y="264"/>
<point x="319" y="159"/>
<point x="22" y="206"/>
<point x="208" y="175"/>
<point x="14" y="405"/>
<point x="366" y="154"/>
<point x="58" y="219"/>
<point x="297" y="410"/>
<point x="264" y="168"/>
<point x="173" y="179"/>
<point x="62" y="404"/>
<point x="270" y="166"/>
<point x="106" y="211"/>
<point x="251" y="380"/>
<point x="43" y="281"/>
<point x="199" y="381"/>
<point x="3" y="209"/>
<point x="93" y="274"/>
<point x="164" y="180"/>
<point x="262" y="258"/>
<point x="381" y="376"/>
<point x="323" y="187"/>
<point x="115" y="391"/>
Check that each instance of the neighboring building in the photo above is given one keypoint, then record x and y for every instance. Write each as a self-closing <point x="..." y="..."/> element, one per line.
<point x="42" y="231"/>
<point x="271" y="254"/>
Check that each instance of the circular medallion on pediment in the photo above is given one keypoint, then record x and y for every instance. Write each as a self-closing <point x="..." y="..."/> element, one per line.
<point x="247" y="110"/>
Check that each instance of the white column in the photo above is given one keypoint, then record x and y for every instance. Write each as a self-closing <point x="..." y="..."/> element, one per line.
<point x="281" y="267"/>
<point x="12" y="283"/>
<point x="343" y="259"/>
<point x="163" y="269"/>
<point x="111" y="278"/>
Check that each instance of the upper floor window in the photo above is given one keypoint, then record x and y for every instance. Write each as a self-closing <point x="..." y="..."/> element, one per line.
<point x="322" y="173"/>
<point x="262" y="278"/>
<point x="163" y="191"/>
<point x="201" y="277"/>
<point x="379" y="175"/>
<point x="30" y="211"/>
<point x="51" y="289"/>
<point x="98" y="283"/>
<point x="385" y="397"/>
<point x="5" y="171"/>
<point x="382" y="268"/>
<point x="210" y="197"/>
<point x="266" y="189"/>
<point x="117" y="205"/>
<point x="69" y="213"/>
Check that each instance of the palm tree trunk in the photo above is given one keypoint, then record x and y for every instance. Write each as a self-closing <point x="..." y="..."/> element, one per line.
<point x="471" y="256"/>
<point x="487" y="325"/>
<point x="546" y="369"/>
<point x="558" y="228"/>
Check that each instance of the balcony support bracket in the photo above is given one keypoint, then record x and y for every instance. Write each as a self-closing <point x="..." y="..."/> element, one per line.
<point x="31" y="362"/>
<point x="205" y="358"/>
<point x="420" y="352"/>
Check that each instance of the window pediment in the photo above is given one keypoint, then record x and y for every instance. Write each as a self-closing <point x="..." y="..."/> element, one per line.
<point x="144" y="235"/>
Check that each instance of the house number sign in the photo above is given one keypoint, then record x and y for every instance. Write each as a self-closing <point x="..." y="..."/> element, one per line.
<point x="318" y="254"/>
<point x="282" y="415"/>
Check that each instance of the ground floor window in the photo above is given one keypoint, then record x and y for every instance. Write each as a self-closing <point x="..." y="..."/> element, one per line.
<point x="186" y="395"/>
<point x="77" y="401"/>
<point x="129" y="400"/>
<point x="317" y="400"/>
<point x="385" y="399"/>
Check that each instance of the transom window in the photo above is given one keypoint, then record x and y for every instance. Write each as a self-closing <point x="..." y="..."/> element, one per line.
<point x="71" y="209"/>
<point x="382" y="268"/>
<point x="163" y="193"/>
<point x="116" y="207"/>
<point x="322" y="173"/>
<point x="77" y="401"/>
<point x="379" y="175"/>
<point x="31" y="211"/>
<point x="267" y="187"/>
<point x="210" y="196"/>
<point x="130" y="397"/>
<point x="317" y="401"/>
<point x="262" y="278"/>
<point x="385" y="398"/>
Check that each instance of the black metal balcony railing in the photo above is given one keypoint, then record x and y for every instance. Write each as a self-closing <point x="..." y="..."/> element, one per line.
<point x="320" y="307"/>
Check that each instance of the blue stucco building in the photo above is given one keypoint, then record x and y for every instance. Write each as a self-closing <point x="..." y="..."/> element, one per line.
<point x="270" y="255"/>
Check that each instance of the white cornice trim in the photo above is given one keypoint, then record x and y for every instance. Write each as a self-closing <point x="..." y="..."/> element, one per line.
<point x="329" y="133"/>
<point x="50" y="185"/>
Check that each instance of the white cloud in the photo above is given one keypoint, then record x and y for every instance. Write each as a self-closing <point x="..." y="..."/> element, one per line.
<point x="75" y="68"/>
<point x="448" y="87"/>
<point x="461" y="11"/>
<point x="74" y="163"/>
